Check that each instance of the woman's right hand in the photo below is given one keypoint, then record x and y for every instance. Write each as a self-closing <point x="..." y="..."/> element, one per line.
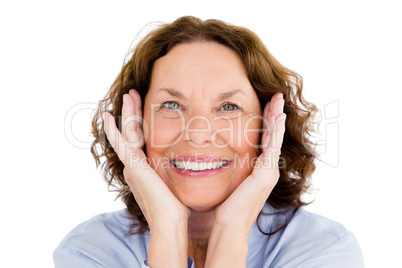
<point x="166" y="216"/>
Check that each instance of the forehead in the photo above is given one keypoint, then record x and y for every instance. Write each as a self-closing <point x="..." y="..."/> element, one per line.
<point x="193" y="53"/>
<point x="203" y="65"/>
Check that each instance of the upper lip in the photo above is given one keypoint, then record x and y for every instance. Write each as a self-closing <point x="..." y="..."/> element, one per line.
<point x="200" y="159"/>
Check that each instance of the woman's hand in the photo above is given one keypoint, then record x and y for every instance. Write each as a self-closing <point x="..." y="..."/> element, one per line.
<point x="236" y="215"/>
<point x="166" y="216"/>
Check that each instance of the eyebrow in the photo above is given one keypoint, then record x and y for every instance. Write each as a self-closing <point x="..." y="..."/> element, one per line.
<point x="172" y="92"/>
<point x="224" y="95"/>
<point x="229" y="94"/>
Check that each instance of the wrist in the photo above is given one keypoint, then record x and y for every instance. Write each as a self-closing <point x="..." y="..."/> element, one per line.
<point x="225" y="233"/>
<point x="227" y="247"/>
<point x="169" y="236"/>
<point x="238" y="228"/>
<point x="168" y="246"/>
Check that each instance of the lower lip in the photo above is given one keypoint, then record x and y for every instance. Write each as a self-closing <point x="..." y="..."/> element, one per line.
<point x="203" y="173"/>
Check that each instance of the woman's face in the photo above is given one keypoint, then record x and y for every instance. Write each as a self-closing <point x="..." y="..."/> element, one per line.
<point x="203" y="120"/>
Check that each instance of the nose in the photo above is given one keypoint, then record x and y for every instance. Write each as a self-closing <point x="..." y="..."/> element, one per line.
<point x="198" y="131"/>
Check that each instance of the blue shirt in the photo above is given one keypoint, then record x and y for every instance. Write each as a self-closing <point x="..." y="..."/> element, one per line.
<point x="308" y="240"/>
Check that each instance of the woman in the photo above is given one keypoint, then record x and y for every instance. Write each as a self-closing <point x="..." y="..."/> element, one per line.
<point x="193" y="136"/>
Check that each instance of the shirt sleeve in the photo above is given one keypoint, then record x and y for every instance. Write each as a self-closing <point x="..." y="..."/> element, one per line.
<point x="344" y="253"/>
<point x="68" y="258"/>
<point x="189" y="261"/>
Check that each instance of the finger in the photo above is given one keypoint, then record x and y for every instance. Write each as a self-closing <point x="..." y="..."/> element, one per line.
<point x="271" y="109"/>
<point x="124" y="115"/>
<point x="135" y="159"/>
<point x="131" y="123"/>
<point x="138" y="112"/>
<point x="114" y="136"/>
<point x="277" y="135"/>
<point x="137" y="102"/>
<point x="265" y="124"/>
<point x="276" y="110"/>
<point x="266" y="137"/>
<point x="274" y="99"/>
<point x="265" y="116"/>
<point x="277" y="107"/>
<point x="269" y="159"/>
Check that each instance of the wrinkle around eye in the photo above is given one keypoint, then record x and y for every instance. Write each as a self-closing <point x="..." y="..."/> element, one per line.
<point x="170" y="109"/>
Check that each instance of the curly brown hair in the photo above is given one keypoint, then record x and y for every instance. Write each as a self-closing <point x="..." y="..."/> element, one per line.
<point x="266" y="75"/>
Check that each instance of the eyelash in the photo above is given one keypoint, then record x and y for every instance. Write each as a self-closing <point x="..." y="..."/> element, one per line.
<point x="167" y="103"/>
<point x="235" y="106"/>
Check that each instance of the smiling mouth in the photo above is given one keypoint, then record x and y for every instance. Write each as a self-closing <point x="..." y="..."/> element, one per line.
<point x="198" y="166"/>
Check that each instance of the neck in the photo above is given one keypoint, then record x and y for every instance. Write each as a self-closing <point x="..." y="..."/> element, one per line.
<point x="199" y="230"/>
<point x="200" y="224"/>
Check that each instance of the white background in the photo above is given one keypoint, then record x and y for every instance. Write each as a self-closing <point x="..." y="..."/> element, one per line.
<point x="58" y="54"/>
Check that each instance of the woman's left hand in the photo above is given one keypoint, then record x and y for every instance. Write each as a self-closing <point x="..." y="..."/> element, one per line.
<point x="236" y="215"/>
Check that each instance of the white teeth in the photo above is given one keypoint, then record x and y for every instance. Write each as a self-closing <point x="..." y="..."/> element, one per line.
<point x="198" y="166"/>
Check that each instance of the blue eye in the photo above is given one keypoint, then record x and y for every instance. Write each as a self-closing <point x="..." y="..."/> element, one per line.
<point x="171" y="105"/>
<point x="230" y="107"/>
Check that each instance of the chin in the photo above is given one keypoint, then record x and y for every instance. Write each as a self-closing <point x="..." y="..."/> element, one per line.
<point x="202" y="200"/>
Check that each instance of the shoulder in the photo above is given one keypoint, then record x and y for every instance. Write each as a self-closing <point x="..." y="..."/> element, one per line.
<point x="311" y="240"/>
<point x="102" y="241"/>
<point x="315" y="225"/>
<point x="325" y="241"/>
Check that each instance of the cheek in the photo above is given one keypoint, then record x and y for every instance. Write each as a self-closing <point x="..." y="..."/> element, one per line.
<point x="252" y="132"/>
<point x="223" y="133"/>
<point x="246" y="149"/>
<point x="162" y="132"/>
<point x="241" y="134"/>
